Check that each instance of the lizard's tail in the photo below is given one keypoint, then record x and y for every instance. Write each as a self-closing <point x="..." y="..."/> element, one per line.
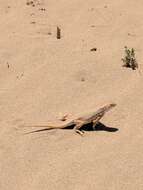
<point x="45" y="128"/>
<point x="40" y="130"/>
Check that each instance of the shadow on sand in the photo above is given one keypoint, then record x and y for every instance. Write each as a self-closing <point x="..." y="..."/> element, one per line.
<point x="87" y="127"/>
<point x="99" y="127"/>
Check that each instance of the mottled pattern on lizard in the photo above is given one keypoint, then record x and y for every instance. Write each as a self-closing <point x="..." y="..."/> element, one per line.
<point x="92" y="117"/>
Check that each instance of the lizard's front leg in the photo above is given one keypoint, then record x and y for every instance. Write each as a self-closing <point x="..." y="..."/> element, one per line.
<point x="95" y="122"/>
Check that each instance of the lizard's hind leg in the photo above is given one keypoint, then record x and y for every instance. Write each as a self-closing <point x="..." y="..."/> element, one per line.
<point x="77" y="128"/>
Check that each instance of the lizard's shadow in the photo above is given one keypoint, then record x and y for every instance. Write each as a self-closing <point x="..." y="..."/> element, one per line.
<point x="99" y="127"/>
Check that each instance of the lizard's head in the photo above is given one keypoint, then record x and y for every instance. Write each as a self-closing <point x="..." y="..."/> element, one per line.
<point x="105" y="109"/>
<point x="110" y="106"/>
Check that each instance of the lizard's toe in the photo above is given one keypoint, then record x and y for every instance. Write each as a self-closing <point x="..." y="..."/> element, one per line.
<point x="79" y="132"/>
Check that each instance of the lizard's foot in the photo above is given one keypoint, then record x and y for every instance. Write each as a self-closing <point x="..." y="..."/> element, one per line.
<point x="79" y="132"/>
<point x="77" y="127"/>
<point x="93" y="128"/>
<point x="95" y="122"/>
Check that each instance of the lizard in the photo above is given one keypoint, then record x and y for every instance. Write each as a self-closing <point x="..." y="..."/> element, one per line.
<point x="92" y="117"/>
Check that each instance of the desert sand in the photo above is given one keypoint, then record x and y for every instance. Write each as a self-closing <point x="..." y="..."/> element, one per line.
<point x="43" y="78"/>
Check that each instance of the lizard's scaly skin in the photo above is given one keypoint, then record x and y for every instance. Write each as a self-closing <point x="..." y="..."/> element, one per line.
<point x="92" y="117"/>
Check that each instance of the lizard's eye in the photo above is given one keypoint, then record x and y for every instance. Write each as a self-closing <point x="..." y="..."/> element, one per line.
<point x="101" y="114"/>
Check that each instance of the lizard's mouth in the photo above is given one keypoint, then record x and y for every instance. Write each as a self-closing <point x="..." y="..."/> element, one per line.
<point x="113" y="105"/>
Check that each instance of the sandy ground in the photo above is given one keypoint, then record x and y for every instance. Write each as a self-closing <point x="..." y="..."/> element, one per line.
<point x="43" y="78"/>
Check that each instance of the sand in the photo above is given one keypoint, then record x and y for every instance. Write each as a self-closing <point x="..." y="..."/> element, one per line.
<point x="43" y="78"/>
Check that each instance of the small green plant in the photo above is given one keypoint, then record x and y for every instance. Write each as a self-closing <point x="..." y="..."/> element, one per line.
<point x="129" y="60"/>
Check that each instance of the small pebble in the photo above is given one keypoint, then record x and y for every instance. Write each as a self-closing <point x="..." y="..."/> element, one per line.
<point x="33" y="22"/>
<point x="82" y="79"/>
<point x="93" y="49"/>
